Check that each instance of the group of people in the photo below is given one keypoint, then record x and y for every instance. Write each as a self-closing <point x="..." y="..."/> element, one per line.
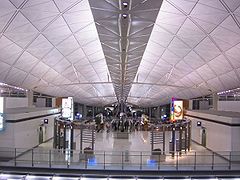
<point x="123" y="124"/>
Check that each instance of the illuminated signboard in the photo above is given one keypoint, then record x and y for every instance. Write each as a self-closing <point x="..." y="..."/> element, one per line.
<point x="178" y="110"/>
<point x="67" y="108"/>
<point x="1" y="114"/>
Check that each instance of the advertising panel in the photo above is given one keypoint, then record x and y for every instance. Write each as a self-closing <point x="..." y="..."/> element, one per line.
<point x="178" y="110"/>
<point x="67" y="108"/>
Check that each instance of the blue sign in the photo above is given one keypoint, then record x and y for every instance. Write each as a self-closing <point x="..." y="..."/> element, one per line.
<point x="92" y="161"/>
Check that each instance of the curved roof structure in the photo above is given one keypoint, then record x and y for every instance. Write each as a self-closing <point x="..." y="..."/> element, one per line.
<point x="140" y="51"/>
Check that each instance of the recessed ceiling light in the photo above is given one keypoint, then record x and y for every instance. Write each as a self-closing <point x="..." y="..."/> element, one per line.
<point x="124" y="15"/>
<point x="125" y="4"/>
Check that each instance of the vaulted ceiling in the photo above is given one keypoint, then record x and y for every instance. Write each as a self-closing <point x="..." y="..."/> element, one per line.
<point x="100" y="51"/>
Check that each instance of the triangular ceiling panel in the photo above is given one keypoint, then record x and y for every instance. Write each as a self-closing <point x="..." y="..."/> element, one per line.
<point x="40" y="13"/>
<point x="146" y="51"/>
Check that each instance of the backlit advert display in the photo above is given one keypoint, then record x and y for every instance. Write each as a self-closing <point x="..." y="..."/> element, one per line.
<point x="67" y="107"/>
<point x="178" y="110"/>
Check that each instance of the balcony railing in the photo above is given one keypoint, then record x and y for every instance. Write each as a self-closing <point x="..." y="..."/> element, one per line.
<point x="126" y="160"/>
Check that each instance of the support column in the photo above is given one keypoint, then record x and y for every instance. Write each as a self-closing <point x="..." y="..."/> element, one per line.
<point x="189" y="136"/>
<point x="158" y="113"/>
<point x="84" y="111"/>
<point x="64" y="136"/>
<point x="190" y="105"/>
<point x="30" y="98"/>
<point x="53" y="102"/>
<point x="180" y="141"/>
<point x="150" y="112"/>
<point x="215" y="101"/>
<point x="72" y="139"/>
<point x="55" y="135"/>
<point x="173" y="141"/>
<point x="93" y="112"/>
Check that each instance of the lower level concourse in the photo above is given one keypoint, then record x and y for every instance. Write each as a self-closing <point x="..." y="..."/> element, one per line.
<point x="202" y="144"/>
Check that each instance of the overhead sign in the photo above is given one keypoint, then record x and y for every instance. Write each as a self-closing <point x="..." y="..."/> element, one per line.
<point x="67" y="108"/>
<point x="178" y="110"/>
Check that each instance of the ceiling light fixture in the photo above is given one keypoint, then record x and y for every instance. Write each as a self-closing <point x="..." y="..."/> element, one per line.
<point x="124" y="16"/>
<point x="125" y="4"/>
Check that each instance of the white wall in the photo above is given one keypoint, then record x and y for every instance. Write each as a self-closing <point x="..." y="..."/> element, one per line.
<point x="41" y="102"/>
<point x="15" y="102"/>
<point x="190" y="105"/>
<point x="203" y="105"/>
<point x="53" y="102"/>
<point x="229" y="106"/>
<point x="7" y="136"/>
<point x="26" y="132"/>
<point x="218" y="135"/>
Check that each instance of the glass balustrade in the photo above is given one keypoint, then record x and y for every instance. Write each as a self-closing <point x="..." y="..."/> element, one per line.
<point x="126" y="160"/>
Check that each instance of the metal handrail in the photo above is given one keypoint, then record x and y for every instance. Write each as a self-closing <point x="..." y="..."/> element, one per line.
<point x="137" y="160"/>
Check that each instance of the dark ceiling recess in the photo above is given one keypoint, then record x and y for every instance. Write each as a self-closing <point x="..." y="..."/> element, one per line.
<point x="124" y="28"/>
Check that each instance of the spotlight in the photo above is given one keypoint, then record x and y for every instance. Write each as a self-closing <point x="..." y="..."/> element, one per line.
<point x="125" y="4"/>
<point x="124" y="16"/>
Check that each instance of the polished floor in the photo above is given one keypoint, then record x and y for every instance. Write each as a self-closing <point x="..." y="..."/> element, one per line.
<point x="132" y="153"/>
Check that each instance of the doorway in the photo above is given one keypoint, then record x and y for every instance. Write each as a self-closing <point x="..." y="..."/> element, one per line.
<point x="40" y="135"/>
<point x="204" y="137"/>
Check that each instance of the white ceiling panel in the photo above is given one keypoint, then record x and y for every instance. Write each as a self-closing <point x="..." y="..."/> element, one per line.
<point x="194" y="60"/>
<point x="26" y="62"/>
<point x="170" y="57"/>
<point x="40" y="69"/>
<point x="64" y="4"/>
<point x="230" y="80"/>
<point x="179" y="47"/>
<point x="61" y="80"/>
<point x="52" y="58"/>
<point x="76" y="55"/>
<point x="57" y="31"/>
<point x="64" y="47"/>
<point x="40" y="47"/>
<point x="50" y="75"/>
<point x="62" y="65"/>
<point x="31" y="81"/>
<point x="233" y="4"/>
<point x="182" y="48"/>
<point x="225" y="38"/>
<point x="215" y="84"/>
<point x="4" y="68"/>
<point x="207" y="49"/>
<point x="220" y="65"/>
<point x="233" y="55"/>
<point x="184" y="5"/>
<point x="9" y="51"/>
<point x="161" y="36"/>
<point x="190" y="33"/>
<point x="17" y="3"/>
<point x="206" y="72"/>
<point x="7" y="9"/>
<point x="40" y="13"/>
<point x="208" y="17"/>
<point x="15" y="76"/>
<point x="21" y="31"/>
<point x="195" y="77"/>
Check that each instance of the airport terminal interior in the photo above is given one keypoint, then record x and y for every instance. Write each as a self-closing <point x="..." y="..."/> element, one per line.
<point x="119" y="89"/>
